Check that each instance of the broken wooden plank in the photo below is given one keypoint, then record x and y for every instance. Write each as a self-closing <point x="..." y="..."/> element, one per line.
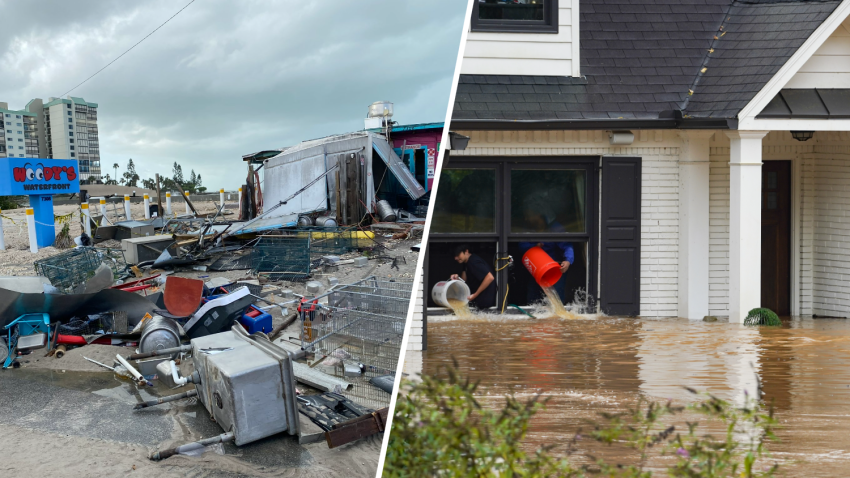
<point x="185" y="197"/>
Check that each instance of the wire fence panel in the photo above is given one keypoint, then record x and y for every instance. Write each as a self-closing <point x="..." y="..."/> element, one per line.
<point x="286" y="257"/>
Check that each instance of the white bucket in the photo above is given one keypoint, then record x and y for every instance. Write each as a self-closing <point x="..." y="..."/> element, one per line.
<point x="452" y="289"/>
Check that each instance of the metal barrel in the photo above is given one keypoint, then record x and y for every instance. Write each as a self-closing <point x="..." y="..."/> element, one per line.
<point x="385" y="211"/>
<point x="305" y="221"/>
<point x="159" y="333"/>
<point x="326" y="221"/>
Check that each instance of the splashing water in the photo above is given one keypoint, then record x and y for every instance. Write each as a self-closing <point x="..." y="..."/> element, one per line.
<point x="556" y="306"/>
<point x="460" y="308"/>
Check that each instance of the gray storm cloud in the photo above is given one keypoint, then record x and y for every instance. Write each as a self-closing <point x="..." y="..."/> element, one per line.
<point x="227" y="78"/>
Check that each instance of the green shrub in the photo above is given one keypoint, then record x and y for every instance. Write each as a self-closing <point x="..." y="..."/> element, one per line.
<point x="762" y="316"/>
<point x="8" y="202"/>
<point x="440" y="429"/>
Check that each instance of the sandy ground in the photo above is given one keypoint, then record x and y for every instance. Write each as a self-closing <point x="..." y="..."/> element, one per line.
<point x="70" y="417"/>
<point x="16" y="260"/>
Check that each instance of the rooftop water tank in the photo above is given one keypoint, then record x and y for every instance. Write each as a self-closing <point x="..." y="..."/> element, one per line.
<point x="379" y="109"/>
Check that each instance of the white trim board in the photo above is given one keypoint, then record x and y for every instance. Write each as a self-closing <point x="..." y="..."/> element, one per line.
<point x="576" y="43"/>
<point x="792" y="66"/>
<point x="751" y="123"/>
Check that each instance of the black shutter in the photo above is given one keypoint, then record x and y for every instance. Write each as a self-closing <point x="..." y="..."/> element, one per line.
<point x="620" y="251"/>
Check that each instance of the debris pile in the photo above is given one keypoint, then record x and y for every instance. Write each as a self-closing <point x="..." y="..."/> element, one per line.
<point x="284" y="347"/>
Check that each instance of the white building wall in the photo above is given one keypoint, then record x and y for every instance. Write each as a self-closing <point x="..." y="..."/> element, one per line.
<point x="825" y="245"/>
<point x="829" y="66"/>
<point x="546" y="54"/>
<point x="13" y="125"/>
<point x="718" y="229"/>
<point x="59" y="131"/>
<point x="416" y="327"/>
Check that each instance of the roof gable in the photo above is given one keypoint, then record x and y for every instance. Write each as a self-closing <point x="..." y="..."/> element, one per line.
<point x="829" y="66"/>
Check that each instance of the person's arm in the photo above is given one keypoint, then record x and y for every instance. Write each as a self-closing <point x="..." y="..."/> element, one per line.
<point x="484" y="284"/>
<point x="461" y="276"/>
<point x="569" y="255"/>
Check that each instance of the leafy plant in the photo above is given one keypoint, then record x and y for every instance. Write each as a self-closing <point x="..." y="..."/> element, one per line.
<point x="762" y="316"/>
<point x="440" y="429"/>
<point x="9" y="202"/>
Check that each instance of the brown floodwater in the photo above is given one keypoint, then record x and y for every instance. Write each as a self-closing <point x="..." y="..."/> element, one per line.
<point x="607" y="364"/>
<point x="461" y="309"/>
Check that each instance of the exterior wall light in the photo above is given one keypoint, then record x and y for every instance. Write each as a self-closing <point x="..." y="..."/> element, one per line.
<point x="802" y="135"/>
<point x="621" y="137"/>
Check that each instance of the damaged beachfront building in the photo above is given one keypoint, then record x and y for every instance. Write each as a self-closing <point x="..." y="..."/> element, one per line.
<point x="384" y="171"/>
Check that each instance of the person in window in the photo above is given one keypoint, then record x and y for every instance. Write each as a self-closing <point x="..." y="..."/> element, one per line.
<point x="478" y="276"/>
<point x="561" y="252"/>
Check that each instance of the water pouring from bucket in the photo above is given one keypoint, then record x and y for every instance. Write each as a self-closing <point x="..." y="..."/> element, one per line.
<point x="547" y="273"/>
<point x="453" y="294"/>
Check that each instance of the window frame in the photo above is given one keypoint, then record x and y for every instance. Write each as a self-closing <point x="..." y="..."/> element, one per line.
<point x="503" y="236"/>
<point x="549" y="24"/>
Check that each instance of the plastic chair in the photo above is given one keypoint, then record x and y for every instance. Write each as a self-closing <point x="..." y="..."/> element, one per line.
<point x="24" y="326"/>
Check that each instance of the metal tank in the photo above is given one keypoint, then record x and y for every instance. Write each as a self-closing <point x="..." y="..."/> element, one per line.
<point x="385" y="211"/>
<point x="159" y="333"/>
<point x="326" y="221"/>
<point x="247" y="384"/>
<point x="378" y="108"/>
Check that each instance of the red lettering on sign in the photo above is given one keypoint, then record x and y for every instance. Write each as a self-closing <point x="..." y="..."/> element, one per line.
<point x="72" y="175"/>
<point x="48" y="173"/>
<point x="57" y="171"/>
<point x="20" y="174"/>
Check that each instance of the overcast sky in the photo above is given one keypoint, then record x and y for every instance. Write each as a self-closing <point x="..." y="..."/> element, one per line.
<point x="227" y="78"/>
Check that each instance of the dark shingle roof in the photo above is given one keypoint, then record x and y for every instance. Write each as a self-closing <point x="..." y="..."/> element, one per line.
<point x="640" y="58"/>
<point x="760" y="36"/>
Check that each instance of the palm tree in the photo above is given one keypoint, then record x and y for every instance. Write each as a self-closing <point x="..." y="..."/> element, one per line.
<point x="115" y="167"/>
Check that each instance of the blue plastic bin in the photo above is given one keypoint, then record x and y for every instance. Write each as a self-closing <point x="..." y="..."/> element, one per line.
<point x="260" y="323"/>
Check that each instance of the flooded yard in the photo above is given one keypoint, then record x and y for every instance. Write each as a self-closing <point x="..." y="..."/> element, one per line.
<point x="607" y="364"/>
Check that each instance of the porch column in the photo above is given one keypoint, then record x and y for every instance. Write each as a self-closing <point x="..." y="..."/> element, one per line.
<point x="744" y="222"/>
<point x="693" y="224"/>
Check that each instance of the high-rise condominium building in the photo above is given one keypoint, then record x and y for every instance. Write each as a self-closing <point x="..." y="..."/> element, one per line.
<point x="18" y="133"/>
<point x="68" y="130"/>
<point x="58" y="129"/>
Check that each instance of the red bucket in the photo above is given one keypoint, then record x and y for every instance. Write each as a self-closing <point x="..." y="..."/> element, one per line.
<point x="542" y="267"/>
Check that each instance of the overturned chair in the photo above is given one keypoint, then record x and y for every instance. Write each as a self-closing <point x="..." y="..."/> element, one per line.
<point x="27" y="332"/>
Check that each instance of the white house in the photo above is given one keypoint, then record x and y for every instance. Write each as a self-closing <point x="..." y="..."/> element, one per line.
<point x="696" y="156"/>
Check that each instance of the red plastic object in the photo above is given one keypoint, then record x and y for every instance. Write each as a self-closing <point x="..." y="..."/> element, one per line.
<point x="301" y="307"/>
<point x="134" y="283"/>
<point x="182" y="296"/>
<point x="253" y="312"/>
<point x="542" y="267"/>
<point x="137" y="288"/>
<point x="80" y="340"/>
